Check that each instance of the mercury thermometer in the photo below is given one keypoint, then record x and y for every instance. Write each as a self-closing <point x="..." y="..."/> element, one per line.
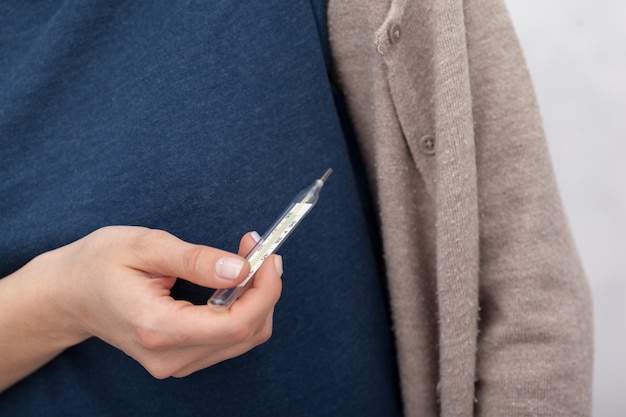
<point x="273" y="238"/>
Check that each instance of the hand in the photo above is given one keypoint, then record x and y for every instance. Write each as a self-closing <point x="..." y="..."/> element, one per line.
<point x="115" y="283"/>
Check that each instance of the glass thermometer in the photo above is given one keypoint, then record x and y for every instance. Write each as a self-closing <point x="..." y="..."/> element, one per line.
<point x="272" y="240"/>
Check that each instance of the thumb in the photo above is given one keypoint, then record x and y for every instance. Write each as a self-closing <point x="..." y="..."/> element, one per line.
<point x="166" y="255"/>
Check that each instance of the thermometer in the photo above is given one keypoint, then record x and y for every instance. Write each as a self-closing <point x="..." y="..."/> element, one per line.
<point x="273" y="238"/>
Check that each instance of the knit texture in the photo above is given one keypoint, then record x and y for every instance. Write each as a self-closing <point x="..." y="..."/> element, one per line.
<point x="491" y="308"/>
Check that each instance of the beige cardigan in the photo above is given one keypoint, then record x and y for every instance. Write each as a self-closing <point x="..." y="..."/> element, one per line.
<point x="491" y="309"/>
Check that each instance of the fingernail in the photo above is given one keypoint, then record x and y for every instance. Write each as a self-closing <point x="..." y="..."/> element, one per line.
<point x="228" y="268"/>
<point x="255" y="236"/>
<point x="278" y="264"/>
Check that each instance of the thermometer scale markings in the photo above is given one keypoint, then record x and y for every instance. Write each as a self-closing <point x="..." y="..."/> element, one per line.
<point x="277" y="236"/>
<point x="272" y="240"/>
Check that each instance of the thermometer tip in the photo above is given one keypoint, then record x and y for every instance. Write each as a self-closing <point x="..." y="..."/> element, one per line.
<point x="326" y="174"/>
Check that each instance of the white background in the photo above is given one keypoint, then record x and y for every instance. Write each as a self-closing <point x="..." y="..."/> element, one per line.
<point x="576" y="53"/>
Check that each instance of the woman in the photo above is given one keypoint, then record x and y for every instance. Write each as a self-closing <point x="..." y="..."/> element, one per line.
<point x="137" y="114"/>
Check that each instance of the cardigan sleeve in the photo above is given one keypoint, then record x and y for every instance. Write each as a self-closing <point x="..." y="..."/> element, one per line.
<point x="476" y="224"/>
<point x="535" y="331"/>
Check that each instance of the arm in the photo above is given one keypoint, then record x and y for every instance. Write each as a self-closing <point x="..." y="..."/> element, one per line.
<point x="114" y="284"/>
<point x="535" y="340"/>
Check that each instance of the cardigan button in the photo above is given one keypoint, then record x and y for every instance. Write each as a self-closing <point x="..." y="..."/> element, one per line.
<point x="394" y="33"/>
<point x="427" y="144"/>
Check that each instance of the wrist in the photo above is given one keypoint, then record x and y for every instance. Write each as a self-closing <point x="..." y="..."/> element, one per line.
<point x="34" y="327"/>
<point x="51" y="291"/>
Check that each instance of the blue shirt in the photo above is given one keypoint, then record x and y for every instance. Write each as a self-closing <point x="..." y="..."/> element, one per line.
<point x="203" y="119"/>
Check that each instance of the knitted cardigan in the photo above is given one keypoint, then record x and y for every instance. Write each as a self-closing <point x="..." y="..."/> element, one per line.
<point x="491" y="308"/>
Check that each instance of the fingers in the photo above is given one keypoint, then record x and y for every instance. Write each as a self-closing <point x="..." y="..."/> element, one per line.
<point x="265" y="277"/>
<point x="265" y="289"/>
<point x="183" y="338"/>
<point x="189" y="359"/>
<point x="245" y="318"/>
<point x="247" y="242"/>
<point x="228" y="351"/>
<point x="164" y="254"/>
<point x="168" y="336"/>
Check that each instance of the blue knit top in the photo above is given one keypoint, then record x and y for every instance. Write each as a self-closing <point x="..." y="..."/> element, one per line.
<point x="203" y="119"/>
